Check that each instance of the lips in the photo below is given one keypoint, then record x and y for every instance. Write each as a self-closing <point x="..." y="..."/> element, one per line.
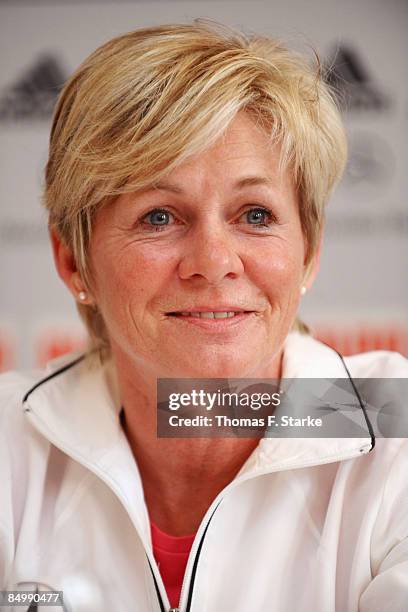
<point x="209" y="314"/>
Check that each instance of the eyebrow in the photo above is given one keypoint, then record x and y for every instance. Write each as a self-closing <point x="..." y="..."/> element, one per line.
<point x="247" y="181"/>
<point x="250" y="181"/>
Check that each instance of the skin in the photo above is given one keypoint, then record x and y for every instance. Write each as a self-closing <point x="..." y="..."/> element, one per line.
<point x="209" y="251"/>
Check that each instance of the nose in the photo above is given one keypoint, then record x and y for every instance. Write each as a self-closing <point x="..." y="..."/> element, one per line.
<point x="211" y="254"/>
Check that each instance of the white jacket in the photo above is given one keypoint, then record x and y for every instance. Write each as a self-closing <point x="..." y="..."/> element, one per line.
<point x="306" y="526"/>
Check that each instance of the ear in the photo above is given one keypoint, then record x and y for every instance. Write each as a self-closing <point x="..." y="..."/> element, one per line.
<point x="67" y="269"/>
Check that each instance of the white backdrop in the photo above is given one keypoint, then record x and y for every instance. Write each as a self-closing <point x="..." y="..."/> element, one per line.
<point x="360" y="298"/>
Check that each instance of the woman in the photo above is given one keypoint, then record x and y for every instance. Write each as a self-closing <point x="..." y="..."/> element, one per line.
<point x="188" y="171"/>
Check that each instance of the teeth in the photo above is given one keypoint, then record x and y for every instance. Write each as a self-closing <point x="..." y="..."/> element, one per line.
<point x="209" y="315"/>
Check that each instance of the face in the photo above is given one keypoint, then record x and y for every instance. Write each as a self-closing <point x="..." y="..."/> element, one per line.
<point x="201" y="275"/>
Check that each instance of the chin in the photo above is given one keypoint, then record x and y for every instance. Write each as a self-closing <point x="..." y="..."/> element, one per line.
<point x="215" y="366"/>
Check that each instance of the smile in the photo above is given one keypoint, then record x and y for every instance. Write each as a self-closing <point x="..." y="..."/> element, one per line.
<point x="216" y="321"/>
<point x="207" y="314"/>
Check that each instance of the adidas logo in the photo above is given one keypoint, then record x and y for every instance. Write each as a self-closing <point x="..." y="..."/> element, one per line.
<point x="352" y="82"/>
<point x="34" y="94"/>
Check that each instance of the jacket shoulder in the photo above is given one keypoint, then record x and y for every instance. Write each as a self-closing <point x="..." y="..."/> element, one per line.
<point x="13" y="387"/>
<point x="378" y="364"/>
<point x="14" y="461"/>
<point x="16" y="385"/>
<point x="13" y="425"/>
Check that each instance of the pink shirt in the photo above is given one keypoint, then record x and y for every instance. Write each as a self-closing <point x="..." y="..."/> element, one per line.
<point x="171" y="554"/>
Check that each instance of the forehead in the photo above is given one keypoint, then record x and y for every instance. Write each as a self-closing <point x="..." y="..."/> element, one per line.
<point x="242" y="153"/>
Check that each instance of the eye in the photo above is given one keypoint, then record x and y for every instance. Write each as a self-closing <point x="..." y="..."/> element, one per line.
<point x="259" y="216"/>
<point x="157" y="218"/>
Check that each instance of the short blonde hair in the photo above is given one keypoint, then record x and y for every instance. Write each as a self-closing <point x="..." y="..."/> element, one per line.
<point x="145" y="101"/>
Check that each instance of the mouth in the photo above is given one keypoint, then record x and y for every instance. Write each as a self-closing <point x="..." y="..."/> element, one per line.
<point x="212" y="320"/>
<point x="209" y="314"/>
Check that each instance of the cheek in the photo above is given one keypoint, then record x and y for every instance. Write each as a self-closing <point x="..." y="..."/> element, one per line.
<point x="133" y="277"/>
<point x="279" y="269"/>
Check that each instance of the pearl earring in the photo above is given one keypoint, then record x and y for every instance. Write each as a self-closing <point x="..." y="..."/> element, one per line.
<point x="82" y="295"/>
<point x="303" y="290"/>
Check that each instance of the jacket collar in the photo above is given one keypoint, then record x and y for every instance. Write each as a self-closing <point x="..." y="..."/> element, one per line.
<point x="76" y="407"/>
<point x="305" y="357"/>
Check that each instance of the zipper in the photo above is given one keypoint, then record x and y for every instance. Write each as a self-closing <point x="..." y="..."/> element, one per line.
<point x="156" y="586"/>
<point x="195" y="554"/>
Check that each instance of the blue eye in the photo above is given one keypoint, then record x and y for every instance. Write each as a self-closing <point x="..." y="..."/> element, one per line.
<point x="158" y="217"/>
<point x="258" y="216"/>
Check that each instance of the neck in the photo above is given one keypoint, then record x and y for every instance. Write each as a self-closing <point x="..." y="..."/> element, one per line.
<point x="177" y="473"/>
